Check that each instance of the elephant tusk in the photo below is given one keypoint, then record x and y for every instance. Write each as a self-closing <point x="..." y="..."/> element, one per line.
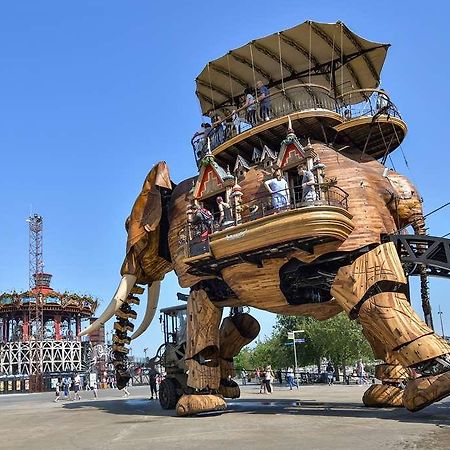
<point x="152" y="303"/>
<point x="125" y="286"/>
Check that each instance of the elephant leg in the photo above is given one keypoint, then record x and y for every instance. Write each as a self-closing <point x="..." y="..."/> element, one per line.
<point x="392" y="374"/>
<point x="202" y="356"/>
<point x="373" y="289"/>
<point x="235" y="332"/>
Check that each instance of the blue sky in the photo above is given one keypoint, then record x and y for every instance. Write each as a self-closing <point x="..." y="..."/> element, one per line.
<point x="93" y="93"/>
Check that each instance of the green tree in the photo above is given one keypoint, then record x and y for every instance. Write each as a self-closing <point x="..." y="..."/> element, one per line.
<point x="337" y="339"/>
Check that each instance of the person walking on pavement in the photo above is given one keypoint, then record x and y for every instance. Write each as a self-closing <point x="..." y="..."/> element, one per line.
<point x="94" y="388"/>
<point x="57" y="390"/>
<point x="330" y="373"/>
<point x="76" y="387"/>
<point x="153" y="374"/>
<point x="290" y="378"/>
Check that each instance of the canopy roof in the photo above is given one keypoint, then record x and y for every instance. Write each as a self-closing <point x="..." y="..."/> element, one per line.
<point x="312" y="52"/>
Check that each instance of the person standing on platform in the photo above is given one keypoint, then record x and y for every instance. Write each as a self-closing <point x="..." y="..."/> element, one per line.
<point x="264" y="100"/>
<point x="226" y="216"/>
<point x="308" y="191"/>
<point x="279" y="189"/>
<point x="250" y="105"/>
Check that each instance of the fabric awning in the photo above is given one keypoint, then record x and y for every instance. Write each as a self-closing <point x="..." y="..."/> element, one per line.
<point x="308" y="54"/>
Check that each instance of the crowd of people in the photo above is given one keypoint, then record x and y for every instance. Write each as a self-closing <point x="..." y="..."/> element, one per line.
<point x="65" y="385"/>
<point x="204" y="222"/>
<point x="70" y="387"/>
<point x="265" y="377"/>
<point x="255" y="104"/>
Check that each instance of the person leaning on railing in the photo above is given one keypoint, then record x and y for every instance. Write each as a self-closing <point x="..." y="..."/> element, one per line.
<point x="279" y="189"/>
<point x="308" y="191"/>
<point x="250" y="105"/>
<point x="199" y="139"/>
<point x="202" y="221"/>
<point x="382" y="101"/>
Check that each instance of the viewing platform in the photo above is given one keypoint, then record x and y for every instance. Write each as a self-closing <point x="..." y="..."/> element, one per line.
<point x="365" y="120"/>
<point x="260" y="231"/>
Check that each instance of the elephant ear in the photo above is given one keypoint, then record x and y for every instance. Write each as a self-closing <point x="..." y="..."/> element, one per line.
<point x="147" y="228"/>
<point x="147" y="209"/>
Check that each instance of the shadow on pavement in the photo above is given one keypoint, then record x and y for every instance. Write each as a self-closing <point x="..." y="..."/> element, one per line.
<point x="438" y="414"/>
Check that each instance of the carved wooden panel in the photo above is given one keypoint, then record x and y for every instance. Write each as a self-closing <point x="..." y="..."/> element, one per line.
<point x="353" y="281"/>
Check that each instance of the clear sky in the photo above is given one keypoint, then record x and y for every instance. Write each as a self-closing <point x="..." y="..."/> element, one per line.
<point x="93" y="93"/>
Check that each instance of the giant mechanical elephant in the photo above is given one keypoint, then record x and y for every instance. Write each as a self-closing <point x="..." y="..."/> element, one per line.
<point x="363" y="277"/>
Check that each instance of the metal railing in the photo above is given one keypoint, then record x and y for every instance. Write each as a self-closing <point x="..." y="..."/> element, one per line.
<point x="301" y="97"/>
<point x="375" y="101"/>
<point x="263" y="206"/>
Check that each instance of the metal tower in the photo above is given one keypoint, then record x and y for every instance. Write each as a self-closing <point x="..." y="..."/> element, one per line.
<point x="37" y="280"/>
<point x="36" y="259"/>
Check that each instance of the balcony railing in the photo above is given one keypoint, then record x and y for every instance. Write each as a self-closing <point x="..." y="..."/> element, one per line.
<point x="263" y="206"/>
<point x="302" y="97"/>
<point x="375" y="101"/>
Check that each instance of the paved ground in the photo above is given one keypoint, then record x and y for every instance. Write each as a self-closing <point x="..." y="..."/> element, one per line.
<point x="313" y="417"/>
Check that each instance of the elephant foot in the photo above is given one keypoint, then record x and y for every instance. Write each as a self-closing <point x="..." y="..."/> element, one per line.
<point x="383" y="395"/>
<point x="189" y="405"/>
<point x="229" y="389"/>
<point x="424" y="391"/>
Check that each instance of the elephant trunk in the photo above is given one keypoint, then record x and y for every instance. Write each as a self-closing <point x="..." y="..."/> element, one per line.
<point x="124" y="288"/>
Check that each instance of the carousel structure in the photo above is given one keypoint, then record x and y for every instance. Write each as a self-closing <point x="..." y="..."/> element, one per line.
<point x="39" y="327"/>
<point x="292" y="210"/>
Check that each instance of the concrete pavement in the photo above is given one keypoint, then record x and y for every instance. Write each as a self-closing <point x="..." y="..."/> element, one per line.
<point x="313" y="417"/>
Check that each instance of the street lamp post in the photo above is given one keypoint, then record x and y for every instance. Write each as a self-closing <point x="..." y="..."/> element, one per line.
<point x="291" y="335"/>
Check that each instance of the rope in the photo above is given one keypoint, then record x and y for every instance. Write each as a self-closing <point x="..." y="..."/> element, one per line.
<point x="382" y="136"/>
<point x="425" y="216"/>
<point x="392" y="163"/>
<point x="229" y="76"/>
<point x="332" y="57"/>
<point x="401" y="148"/>
<point x="281" y="64"/>
<point x="253" y="70"/>
<point x="310" y="43"/>
<point x="211" y="89"/>
<point x="437" y="209"/>
<point x="342" y="58"/>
